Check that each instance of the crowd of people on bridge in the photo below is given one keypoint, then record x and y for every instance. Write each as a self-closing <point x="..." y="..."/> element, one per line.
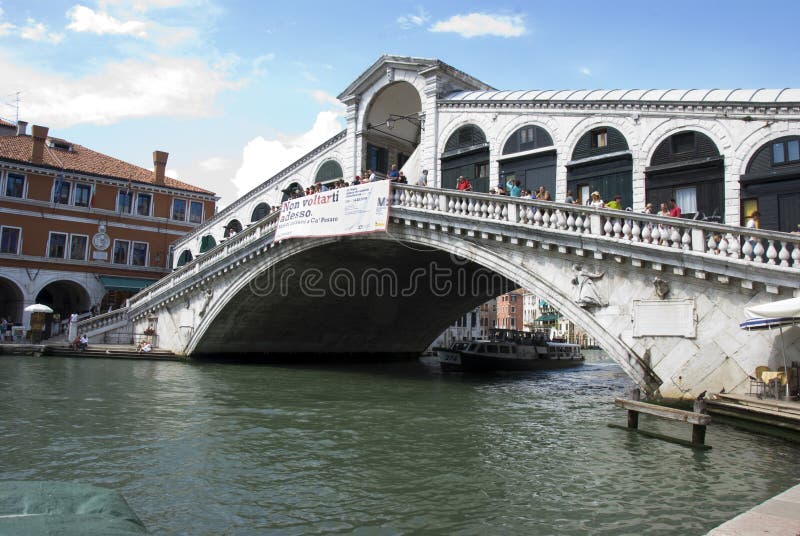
<point x="392" y="174"/>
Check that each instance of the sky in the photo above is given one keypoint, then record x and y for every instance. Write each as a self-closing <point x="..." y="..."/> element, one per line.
<point x="235" y="91"/>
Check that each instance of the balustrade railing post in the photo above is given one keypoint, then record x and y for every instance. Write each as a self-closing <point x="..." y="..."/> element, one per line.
<point x="513" y="212"/>
<point x="698" y="240"/>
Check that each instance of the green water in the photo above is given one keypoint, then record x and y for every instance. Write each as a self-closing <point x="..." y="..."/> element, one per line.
<point x="202" y="449"/>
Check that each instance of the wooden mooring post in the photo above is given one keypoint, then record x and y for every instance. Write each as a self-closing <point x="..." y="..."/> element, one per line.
<point x="697" y="418"/>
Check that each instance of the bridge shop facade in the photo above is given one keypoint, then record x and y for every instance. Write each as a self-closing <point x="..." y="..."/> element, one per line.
<point x="722" y="154"/>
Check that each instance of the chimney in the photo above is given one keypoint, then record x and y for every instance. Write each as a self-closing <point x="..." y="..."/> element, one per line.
<point x="22" y="128"/>
<point x="39" y="137"/>
<point x="159" y="165"/>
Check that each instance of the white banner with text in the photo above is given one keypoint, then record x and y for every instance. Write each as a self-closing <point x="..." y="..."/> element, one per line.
<point x="343" y="211"/>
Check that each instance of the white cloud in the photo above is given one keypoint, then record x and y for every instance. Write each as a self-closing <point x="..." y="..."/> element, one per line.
<point x="585" y="71"/>
<point x="36" y="31"/>
<point x="6" y="28"/>
<point x="154" y="86"/>
<point x="262" y="158"/>
<point x="258" y="70"/>
<point x="215" y="163"/>
<point x="409" y="21"/>
<point x="84" y="19"/>
<point x="477" y="24"/>
<point x="324" y="97"/>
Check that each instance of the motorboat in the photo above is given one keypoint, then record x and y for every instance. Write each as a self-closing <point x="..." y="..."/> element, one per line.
<point x="507" y="349"/>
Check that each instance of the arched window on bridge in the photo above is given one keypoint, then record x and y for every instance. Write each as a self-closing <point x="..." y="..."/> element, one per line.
<point x="233" y="228"/>
<point x="261" y="210"/>
<point x="466" y="153"/>
<point x="531" y="170"/>
<point x="687" y="167"/>
<point x="206" y="243"/>
<point x="329" y="172"/>
<point x="185" y="257"/>
<point x="772" y="182"/>
<point x="293" y="190"/>
<point x="601" y="161"/>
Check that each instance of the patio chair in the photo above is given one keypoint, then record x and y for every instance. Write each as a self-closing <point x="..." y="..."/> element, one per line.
<point x="757" y="385"/>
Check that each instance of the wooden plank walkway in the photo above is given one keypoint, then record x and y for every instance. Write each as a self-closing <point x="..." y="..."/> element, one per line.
<point x="779" y="516"/>
<point x="778" y="414"/>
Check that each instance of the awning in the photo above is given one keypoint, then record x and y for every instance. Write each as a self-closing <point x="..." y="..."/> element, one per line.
<point x="135" y="284"/>
<point x="547" y="318"/>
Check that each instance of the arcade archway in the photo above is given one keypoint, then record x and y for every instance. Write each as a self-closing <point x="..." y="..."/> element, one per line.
<point x="11" y="301"/>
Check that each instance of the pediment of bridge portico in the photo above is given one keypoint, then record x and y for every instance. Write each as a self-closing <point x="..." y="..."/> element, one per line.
<point x="389" y="69"/>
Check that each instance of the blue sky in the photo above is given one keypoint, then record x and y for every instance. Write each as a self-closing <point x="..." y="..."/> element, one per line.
<point x="236" y="90"/>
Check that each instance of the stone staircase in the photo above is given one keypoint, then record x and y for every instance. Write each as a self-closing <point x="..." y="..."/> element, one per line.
<point x="110" y="352"/>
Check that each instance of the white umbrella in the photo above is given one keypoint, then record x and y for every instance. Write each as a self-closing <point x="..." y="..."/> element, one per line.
<point x="38" y="308"/>
<point x="774" y="315"/>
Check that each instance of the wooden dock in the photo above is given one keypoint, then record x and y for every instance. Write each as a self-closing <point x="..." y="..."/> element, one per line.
<point x="783" y="414"/>
<point x="697" y="418"/>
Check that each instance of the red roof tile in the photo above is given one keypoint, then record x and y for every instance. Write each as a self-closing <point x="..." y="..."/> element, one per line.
<point x="83" y="160"/>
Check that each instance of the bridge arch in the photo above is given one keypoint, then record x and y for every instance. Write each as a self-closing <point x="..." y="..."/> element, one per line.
<point x="771" y="184"/>
<point x="261" y="210"/>
<point x="391" y="125"/>
<point x="207" y="242"/>
<point x="466" y="152"/>
<point x="293" y="189"/>
<point x="184" y="258"/>
<point x="547" y="276"/>
<point x="328" y="171"/>
<point x="601" y="160"/>
<point x="532" y="170"/>
<point x="233" y="227"/>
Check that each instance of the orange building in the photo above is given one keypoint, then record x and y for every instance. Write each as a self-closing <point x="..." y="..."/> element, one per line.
<point x="510" y="309"/>
<point x="80" y="229"/>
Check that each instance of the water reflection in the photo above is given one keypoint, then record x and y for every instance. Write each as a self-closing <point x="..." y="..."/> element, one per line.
<point x="216" y="448"/>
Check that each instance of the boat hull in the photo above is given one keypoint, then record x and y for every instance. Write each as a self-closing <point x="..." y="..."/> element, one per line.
<point x="450" y="360"/>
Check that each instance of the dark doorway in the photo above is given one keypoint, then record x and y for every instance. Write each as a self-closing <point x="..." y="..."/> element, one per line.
<point x="601" y="161"/>
<point x="687" y="167"/>
<point x="466" y="153"/>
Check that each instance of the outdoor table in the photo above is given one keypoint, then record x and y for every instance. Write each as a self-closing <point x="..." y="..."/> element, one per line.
<point x="776" y="377"/>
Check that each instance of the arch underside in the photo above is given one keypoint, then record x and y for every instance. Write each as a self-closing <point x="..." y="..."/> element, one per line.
<point x="281" y="317"/>
<point x="350" y="297"/>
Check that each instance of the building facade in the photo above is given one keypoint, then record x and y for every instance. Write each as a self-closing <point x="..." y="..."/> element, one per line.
<point x="80" y="229"/>
<point x="510" y="310"/>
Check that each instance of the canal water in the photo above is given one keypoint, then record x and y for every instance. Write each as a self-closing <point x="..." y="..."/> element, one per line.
<point x="209" y="448"/>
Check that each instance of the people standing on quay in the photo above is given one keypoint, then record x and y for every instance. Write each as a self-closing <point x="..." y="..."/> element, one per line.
<point x="513" y="188"/>
<point x="663" y="210"/>
<point x="596" y="201"/>
<point x="423" y="179"/>
<point x="569" y="199"/>
<point x="463" y="184"/>
<point x="393" y="174"/>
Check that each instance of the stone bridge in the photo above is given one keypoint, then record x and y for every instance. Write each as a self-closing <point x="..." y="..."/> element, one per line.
<point x="663" y="296"/>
